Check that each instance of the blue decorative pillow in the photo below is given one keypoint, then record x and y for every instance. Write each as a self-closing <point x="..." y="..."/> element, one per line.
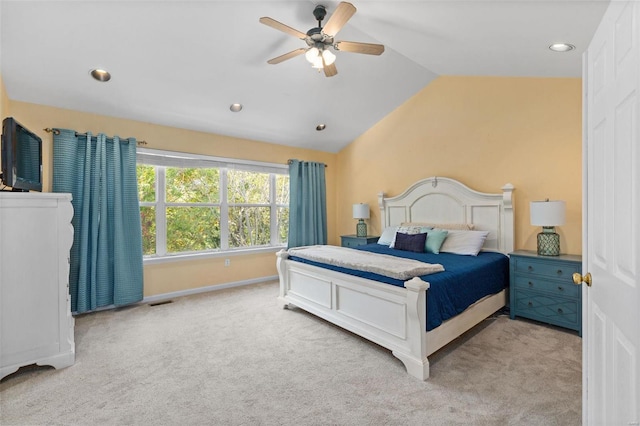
<point x="410" y="242"/>
<point x="408" y="230"/>
<point x="435" y="239"/>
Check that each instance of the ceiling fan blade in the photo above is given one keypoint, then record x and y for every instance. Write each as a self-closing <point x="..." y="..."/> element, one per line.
<point x="282" y="27"/>
<point x="355" y="47"/>
<point x="342" y="14"/>
<point x="329" y="70"/>
<point x="286" y="56"/>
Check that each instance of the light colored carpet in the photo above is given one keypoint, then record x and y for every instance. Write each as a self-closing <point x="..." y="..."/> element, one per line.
<point x="235" y="357"/>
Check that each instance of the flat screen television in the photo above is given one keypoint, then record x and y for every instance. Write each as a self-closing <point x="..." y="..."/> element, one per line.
<point x="21" y="157"/>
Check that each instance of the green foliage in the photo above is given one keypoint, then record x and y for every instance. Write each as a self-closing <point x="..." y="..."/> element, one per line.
<point x="247" y="187"/>
<point x="193" y="209"/>
<point x="146" y="183"/>
<point x="282" y="190"/>
<point x="148" y="221"/>
<point x="192" y="229"/>
<point x="283" y="224"/>
<point x="192" y="185"/>
<point x="249" y="226"/>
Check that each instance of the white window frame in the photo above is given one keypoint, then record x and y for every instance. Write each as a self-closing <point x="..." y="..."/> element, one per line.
<point x="154" y="157"/>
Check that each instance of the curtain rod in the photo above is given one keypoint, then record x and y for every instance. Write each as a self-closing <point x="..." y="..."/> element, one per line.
<point x="57" y="132"/>
<point x="290" y="160"/>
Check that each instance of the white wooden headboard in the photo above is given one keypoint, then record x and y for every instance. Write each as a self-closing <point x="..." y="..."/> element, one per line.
<point x="445" y="200"/>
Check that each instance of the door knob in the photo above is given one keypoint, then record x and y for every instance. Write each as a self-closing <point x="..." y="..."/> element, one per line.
<point x="578" y="279"/>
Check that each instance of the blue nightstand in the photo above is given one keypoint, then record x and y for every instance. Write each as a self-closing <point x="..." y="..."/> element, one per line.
<point x="354" y="241"/>
<point x="542" y="289"/>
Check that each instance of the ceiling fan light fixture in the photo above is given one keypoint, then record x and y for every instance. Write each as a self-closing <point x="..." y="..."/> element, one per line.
<point x="320" y="39"/>
<point x="236" y="107"/>
<point x="329" y="58"/>
<point x="312" y="54"/>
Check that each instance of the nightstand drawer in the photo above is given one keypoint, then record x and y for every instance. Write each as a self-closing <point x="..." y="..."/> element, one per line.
<point x="557" y="288"/>
<point x="550" y="309"/>
<point x="551" y="270"/>
<point x="355" y="241"/>
<point x="350" y="242"/>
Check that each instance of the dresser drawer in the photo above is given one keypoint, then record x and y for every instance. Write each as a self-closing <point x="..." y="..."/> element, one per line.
<point x="558" y="287"/>
<point x="547" y="269"/>
<point x="549" y="309"/>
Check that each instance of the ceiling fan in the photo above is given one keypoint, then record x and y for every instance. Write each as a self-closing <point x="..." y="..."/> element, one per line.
<point x="320" y="39"/>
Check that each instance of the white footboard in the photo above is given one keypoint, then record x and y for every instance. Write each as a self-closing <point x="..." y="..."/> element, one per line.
<point x="390" y="316"/>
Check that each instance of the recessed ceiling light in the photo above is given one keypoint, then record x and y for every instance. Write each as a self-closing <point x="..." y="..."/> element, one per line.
<point x="100" y="75"/>
<point x="320" y="127"/>
<point x="562" y="47"/>
<point x="236" y="107"/>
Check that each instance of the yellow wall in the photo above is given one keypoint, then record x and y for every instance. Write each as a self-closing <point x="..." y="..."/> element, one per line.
<point x="181" y="275"/>
<point x="483" y="131"/>
<point x="4" y="101"/>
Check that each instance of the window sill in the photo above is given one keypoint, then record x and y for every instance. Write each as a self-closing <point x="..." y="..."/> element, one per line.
<point x="153" y="260"/>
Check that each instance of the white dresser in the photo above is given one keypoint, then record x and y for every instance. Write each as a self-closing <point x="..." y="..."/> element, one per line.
<point x="36" y="326"/>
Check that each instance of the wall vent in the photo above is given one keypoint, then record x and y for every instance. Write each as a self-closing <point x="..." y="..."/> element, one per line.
<point x="164" y="302"/>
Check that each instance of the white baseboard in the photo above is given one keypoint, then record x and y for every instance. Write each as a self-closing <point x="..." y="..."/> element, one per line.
<point x="166" y="296"/>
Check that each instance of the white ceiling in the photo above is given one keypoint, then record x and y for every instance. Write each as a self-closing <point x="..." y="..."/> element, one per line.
<point x="182" y="63"/>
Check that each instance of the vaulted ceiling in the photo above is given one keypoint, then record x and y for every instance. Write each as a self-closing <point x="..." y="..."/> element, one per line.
<point x="183" y="63"/>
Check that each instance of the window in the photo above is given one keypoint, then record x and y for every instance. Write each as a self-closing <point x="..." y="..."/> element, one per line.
<point x="193" y="204"/>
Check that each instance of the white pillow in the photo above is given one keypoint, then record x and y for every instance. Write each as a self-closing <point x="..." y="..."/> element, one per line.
<point x="464" y="242"/>
<point x="411" y="230"/>
<point x="388" y="235"/>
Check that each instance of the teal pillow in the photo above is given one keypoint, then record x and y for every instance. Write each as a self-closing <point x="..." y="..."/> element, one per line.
<point x="435" y="238"/>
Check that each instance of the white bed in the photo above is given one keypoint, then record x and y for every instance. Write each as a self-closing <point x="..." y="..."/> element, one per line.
<point x="395" y="317"/>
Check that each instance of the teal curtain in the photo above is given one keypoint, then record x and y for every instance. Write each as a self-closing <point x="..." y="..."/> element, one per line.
<point x="307" y="204"/>
<point x="106" y="256"/>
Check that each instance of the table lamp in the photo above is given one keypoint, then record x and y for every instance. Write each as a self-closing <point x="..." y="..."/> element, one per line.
<point x="361" y="212"/>
<point x="548" y="214"/>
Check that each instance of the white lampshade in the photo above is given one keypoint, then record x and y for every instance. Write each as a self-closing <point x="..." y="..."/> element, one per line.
<point x="317" y="63"/>
<point x="329" y="58"/>
<point x="312" y="54"/>
<point x="547" y="213"/>
<point x="361" y="211"/>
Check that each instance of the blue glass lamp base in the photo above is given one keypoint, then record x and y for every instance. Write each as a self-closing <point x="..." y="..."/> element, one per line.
<point x="361" y="228"/>
<point x="548" y="243"/>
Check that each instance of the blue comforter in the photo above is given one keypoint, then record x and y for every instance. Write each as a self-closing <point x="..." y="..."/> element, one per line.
<point x="465" y="280"/>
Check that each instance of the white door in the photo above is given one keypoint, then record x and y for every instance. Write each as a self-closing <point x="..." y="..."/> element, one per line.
<point x="611" y="343"/>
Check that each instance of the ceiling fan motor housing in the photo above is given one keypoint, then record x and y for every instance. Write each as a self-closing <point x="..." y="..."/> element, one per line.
<point x="320" y="12"/>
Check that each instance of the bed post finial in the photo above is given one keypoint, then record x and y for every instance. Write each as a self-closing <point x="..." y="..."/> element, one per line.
<point x="507" y="195"/>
